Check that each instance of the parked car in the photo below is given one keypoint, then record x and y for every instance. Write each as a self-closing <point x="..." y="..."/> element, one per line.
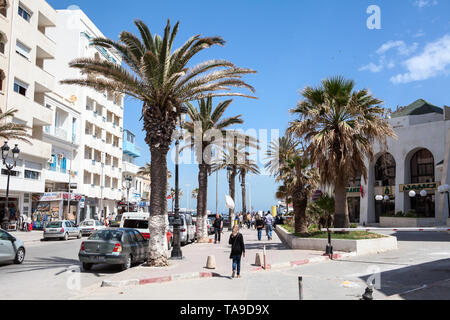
<point x="87" y="227"/>
<point x="61" y="229"/>
<point x="121" y="246"/>
<point x="11" y="248"/>
<point x="187" y="228"/>
<point x="139" y="222"/>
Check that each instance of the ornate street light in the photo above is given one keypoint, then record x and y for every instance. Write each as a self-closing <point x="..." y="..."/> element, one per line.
<point x="9" y="167"/>
<point x="176" y="253"/>
<point x="128" y="181"/>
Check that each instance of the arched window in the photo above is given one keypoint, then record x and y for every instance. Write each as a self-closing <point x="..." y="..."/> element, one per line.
<point x="3" y="41"/>
<point x="2" y="78"/>
<point x="385" y="170"/>
<point x="422" y="167"/>
<point x="4" y="8"/>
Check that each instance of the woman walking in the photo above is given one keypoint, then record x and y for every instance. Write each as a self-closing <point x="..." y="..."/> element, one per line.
<point x="237" y="250"/>
<point x="259" y="226"/>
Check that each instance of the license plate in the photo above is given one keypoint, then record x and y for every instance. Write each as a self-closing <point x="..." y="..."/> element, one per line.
<point x="99" y="258"/>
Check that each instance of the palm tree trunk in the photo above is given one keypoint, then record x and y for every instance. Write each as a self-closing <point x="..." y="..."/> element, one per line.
<point x="157" y="256"/>
<point x="244" y="192"/>
<point x="341" y="219"/>
<point x="202" y="203"/>
<point x="300" y="202"/>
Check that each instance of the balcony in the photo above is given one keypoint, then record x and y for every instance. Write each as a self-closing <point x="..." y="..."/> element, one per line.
<point x="131" y="149"/>
<point x="129" y="168"/>
<point x="37" y="148"/>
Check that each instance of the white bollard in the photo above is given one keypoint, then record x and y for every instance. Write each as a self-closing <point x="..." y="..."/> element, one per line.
<point x="211" y="262"/>
<point x="258" y="260"/>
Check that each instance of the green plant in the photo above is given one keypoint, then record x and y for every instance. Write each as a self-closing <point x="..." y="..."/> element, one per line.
<point x="399" y="213"/>
<point x="353" y="225"/>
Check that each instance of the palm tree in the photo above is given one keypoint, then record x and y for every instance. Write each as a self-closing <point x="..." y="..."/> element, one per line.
<point x="283" y="194"/>
<point x="340" y="126"/>
<point x="289" y="164"/>
<point x="163" y="82"/>
<point x="146" y="171"/>
<point x="233" y="155"/>
<point x="249" y="166"/>
<point x="194" y="193"/>
<point x="11" y="130"/>
<point x="206" y="121"/>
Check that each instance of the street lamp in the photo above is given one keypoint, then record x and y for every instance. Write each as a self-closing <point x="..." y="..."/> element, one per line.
<point x="128" y="181"/>
<point x="446" y="189"/>
<point x="176" y="253"/>
<point x="9" y="167"/>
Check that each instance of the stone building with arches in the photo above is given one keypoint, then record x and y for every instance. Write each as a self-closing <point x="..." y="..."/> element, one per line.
<point x="407" y="172"/>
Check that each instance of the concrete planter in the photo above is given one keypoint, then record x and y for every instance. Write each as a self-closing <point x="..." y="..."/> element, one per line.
<point x="406" y="222"/>
<point x="366" y="246"/>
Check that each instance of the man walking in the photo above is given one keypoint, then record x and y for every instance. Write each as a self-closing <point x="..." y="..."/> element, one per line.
<point x="269" y="223"/>
<point x="218" y="225"/>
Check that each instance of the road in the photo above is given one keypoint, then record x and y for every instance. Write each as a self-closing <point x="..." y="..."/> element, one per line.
<point x="419" y="269"/>
<point x="44" y="273"/>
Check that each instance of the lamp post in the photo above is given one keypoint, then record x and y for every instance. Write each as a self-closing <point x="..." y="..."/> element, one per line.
<point x="9" y="167"/>
<point x="176" y="253"/>
<point x="128" y="186"/>
<point x="446" y="189"/>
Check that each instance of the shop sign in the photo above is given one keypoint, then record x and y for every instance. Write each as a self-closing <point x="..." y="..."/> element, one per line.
<point x="51" y="196"/>
<point x="387" y="190"/>
<point x="419" y="186"/>
<point x="353" y="191"/>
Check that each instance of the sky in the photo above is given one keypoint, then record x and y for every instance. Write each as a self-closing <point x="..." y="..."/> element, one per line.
<point x="400" y="52"/>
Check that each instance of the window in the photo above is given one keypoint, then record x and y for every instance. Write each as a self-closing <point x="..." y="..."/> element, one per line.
<point x="23" y="50"/>
<point x="34" y="175"/>
<point x="2" y="77"/>
<point x="2" y="43"/>
<point x="4" y="12"/>
<point x="25" y="14"/>
<point x="20" y="87"/>
<point x="13" y="173"/>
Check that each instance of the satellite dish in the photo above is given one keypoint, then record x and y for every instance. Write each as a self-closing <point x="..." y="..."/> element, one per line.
<point x="229" y="202"/>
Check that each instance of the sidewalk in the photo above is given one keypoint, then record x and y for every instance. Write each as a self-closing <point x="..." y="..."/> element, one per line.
<point x="195" y="255"/>
<point x="28" y="238"/>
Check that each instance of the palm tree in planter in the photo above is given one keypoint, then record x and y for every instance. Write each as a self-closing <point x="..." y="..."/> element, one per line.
<point x="206" y="128"/>
<point x="340" y="126"/>
<point x="278" y="155"/>
<point x="161" y="79"/>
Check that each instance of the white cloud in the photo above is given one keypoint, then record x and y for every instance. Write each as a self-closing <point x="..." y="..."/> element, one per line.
<point x="401" y="48"/>
<point x="372" y="67"/>
<point x="425" y="3"/>
<point x="433" y="61"/>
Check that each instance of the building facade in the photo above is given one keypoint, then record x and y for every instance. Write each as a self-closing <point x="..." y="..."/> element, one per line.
<point x="27" y="82"/>
<point x="418" y="160"/>
<point x="99" y="156"/>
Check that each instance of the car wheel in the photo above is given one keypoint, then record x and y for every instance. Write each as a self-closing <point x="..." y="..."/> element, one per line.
<point x="20" y="256"/>
<point x="127" y="264"/>
<point x="87" y="266"/>
<point x="66" y="236"/>
<point x="79" y="235"/>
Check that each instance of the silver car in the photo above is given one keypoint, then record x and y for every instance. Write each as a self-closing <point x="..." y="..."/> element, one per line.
<point x="87" y="227"/>
<point x="61" y="229"/>
<point x="11" y="248"/>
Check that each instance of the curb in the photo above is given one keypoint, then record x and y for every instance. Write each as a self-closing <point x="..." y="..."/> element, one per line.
<point x="293" y="264"/>
<point x="175" y="277"/>
<point x="199" y="275"/>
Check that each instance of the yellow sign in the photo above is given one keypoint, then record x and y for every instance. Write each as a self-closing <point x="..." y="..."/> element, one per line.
<point x="274" y="211"/>
<point x="73" y="98"/>
<point x="430" y="186"/>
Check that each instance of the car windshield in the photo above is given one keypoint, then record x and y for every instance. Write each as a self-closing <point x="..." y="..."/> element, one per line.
<point x="107" y="235"/>
<point x="54" y="224"/>
<point x="135" y="224"/>
<point x="87" y="223"/>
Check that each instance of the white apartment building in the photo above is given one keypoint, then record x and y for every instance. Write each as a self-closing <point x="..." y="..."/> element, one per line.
<point x="98" y="160"/>
<point x="27" y="84"/>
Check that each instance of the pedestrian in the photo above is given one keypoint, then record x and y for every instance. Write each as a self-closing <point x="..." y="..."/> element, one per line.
<point x="249" y="220"/>
<point x="237" y="250"/>
<point x="269" y="222"/>
<point x="218" y="225"/>
<point x="259" y="223"/>
<point x="253" y="221"/>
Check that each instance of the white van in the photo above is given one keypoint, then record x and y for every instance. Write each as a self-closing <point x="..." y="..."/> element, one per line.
<point x="187" y="228"/>
<point x="139" y="221"/>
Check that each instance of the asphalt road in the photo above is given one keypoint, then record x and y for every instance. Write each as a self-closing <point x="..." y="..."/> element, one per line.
<point x="419" y="269"/>
<point x="47" y="272"/>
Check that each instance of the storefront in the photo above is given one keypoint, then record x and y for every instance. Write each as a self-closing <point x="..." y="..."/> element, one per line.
<point x="56" y="206"/>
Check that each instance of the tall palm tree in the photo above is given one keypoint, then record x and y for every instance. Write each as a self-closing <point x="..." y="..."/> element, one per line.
<point x="204" y="123"/>
<point x="194" y="193"/>
<point x="283" y="194"/>
<point x="249" y="166"/>
<point x="234" y="154"/>
<point x="11" y="130"/>
<point x="340" y="126"/>
<point x="162" y="81"/>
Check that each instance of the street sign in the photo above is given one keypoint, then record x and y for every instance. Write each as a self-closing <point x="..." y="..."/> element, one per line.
<point x="73" y="186"/>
